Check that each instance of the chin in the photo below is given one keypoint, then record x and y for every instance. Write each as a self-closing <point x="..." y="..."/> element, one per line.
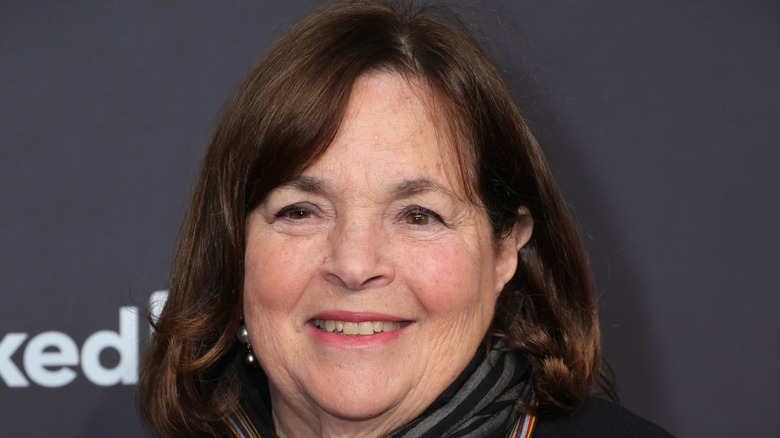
<point x="357" y="411"/>
<point x="358" y="401"/>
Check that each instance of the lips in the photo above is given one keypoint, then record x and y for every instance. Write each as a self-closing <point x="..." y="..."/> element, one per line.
<point x="357" y="323"/>
<point x="358" y="328"/>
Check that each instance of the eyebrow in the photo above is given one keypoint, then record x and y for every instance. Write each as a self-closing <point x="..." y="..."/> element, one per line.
<point x="404" y="188"/>
<point x="415" y="186"/>
<point x="307" y="184"/>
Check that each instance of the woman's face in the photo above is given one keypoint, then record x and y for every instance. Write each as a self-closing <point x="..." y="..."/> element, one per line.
<point x="370" y="280"/>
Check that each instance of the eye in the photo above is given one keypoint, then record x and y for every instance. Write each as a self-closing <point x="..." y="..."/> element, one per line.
<point x="419" y="216"/>
<point x="295" y="212"/>
<point x="417" y="219"/>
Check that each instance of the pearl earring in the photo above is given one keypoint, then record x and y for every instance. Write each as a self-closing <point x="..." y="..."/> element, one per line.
<point x="250" y="359"/>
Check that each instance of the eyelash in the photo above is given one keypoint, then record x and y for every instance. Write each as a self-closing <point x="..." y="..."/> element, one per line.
<point x="406" y="213"/>
<point x="295" y="208"/>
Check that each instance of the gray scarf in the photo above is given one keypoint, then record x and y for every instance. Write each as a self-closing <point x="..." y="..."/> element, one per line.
<point x="482" y="402"/>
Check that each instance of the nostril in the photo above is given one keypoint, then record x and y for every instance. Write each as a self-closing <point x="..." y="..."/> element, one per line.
<point x="336" y="280"/>
<point x="372" y="280"/>
<point x="355" y="283"/>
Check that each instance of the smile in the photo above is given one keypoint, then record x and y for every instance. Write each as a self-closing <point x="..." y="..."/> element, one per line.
<point x="361" y="328"/>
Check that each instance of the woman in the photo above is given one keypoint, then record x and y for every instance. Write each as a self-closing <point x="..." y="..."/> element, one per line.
<point x="377" y="223"/>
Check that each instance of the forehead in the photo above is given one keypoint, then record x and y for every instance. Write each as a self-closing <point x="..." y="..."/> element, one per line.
<point x="393" y="127"/>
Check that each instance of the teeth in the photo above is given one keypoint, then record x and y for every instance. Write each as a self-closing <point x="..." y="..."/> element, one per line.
<point x="350" y="328"/>
<point x="362" y="328"/>
<point x="366" y="328"/>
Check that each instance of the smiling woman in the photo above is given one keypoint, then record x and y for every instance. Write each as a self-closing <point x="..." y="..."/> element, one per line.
<point x="381" y="235"/>
<point x="377" y="223"/>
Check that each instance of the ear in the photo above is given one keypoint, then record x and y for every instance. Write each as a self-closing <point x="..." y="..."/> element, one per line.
<point x="509" y="247"/>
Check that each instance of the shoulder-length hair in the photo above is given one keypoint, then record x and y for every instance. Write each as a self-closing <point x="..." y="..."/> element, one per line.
<point x="281" y="119"/>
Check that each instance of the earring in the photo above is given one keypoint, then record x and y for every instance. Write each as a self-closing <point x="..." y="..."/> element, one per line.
<point x="250" y="359"/>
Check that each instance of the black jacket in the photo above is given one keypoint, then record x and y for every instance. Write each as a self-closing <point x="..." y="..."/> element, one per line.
<point x="598" y="418"/>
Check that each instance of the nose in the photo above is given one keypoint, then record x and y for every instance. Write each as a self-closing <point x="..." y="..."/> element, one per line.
<point x="357" y="258"/>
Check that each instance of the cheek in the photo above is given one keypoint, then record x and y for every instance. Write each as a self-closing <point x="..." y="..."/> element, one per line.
<point x="454" y="279"/>
<point x="275" y="278"/>
<point x="274" y="283"/>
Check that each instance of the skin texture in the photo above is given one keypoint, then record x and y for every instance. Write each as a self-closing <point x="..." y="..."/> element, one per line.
<point x="378" y="224"/>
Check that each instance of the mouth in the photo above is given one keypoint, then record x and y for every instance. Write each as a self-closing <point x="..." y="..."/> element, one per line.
<point x="358" y="328"/>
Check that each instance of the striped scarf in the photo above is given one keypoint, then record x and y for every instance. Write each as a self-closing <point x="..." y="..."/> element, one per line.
<point x="481" y="403"/>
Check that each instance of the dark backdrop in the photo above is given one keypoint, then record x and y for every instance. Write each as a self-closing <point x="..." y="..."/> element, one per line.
<point x="661" y="121"/>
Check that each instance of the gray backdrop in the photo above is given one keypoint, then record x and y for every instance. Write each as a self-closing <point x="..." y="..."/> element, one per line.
<point x="661" y="121"/>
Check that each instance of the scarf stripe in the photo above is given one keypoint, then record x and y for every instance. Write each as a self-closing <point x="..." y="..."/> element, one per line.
<point x="445" y="420"/>
<point x="483" y="404"/>
<point x="240" y="425"/>
<point x="524" y="425"/>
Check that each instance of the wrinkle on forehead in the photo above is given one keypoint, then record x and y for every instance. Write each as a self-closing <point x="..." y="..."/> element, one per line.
<point x="416" y="97"/>
<point x="401" y="189"/>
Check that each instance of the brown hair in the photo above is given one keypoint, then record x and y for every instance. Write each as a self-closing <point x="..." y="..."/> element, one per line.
<point x="281" y="119"/>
